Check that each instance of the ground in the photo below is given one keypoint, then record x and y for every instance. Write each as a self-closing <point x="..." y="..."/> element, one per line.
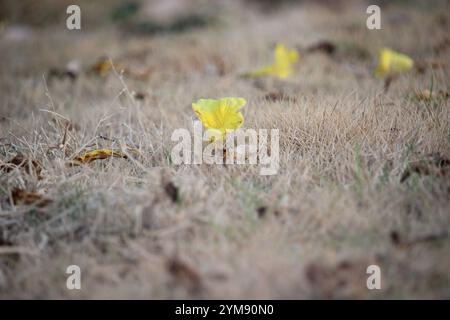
<point x="364" y="169"/>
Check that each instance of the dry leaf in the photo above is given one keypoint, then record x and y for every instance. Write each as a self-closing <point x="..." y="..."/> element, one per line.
<point x="138" y="73"/>
<point x="61" y="74"/>
<point x="276" y="96"/>
<point x="172" y="191"/>
<point x="261" y="211"/>
<point x="442" y="46"/>
<point x="422" y="66"/>
<point x="102" y="67"/>
<point x="325" y="46"/>
<point x="139" y="95"/>
<point x="20" y="196"/>
<point x="402" y="243"/>
<point x="30" y="166"/>
<point x="345" y="279"/>
<point x="427" y="95"/>
<point x="424" y="95"/>
<point x="184" y="274"/>
<point x="434" y="164"/>
<point x="93" y="155"/>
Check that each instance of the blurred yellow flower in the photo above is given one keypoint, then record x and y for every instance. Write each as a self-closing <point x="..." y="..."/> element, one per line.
<point x="282" y="66"/>
<point x="219" y="116"/>
<point x="391" y="62"/>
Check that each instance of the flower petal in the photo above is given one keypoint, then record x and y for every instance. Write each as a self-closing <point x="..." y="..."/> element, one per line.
<point x="220" y="115"/>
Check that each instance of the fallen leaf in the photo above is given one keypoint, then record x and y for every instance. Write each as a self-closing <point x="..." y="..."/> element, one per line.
<point x="20" y="196"/>
<point x="403" y="243"/>
<point x="93" y="155"/>
<point x="276" y="96"/>
<point x="30" y="166"/>
<point x="61" y="74"/>
<point x="137" y="73"/>
<point x="4" y="242"/>
<point x="395" y="238"/>
<point x="172" y="191"/>
<point x="70" y="71"/>
<point x="105" y="65"/>
<point x="442" y="46"/>
<point x="344" y="279"/>
<point x="261" y="211"/>
<point x="102" y="67"/>
<point x="184" y="274"/>
<point x="427" y="95"/>
<point x="139" y="95"/>
<point x="434" y="163"/>
<point x="218" y="66"/>
<point x="424" y="95"/>
<point x="422" y="66"/>
<point x="325" y="46"/>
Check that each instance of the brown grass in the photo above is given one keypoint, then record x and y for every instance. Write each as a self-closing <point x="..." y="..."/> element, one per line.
<point x="143" y="228"/>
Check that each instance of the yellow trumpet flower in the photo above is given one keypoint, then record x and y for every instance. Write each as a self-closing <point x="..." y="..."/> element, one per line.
<point x="284" y="59"/>
<point x="391" y="63"/>
<point x="220" y="116"/>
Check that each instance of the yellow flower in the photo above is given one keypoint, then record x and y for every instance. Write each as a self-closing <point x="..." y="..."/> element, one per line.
<point x="282" y="66"/>
<point x="391" y="62"/>
<point x="219" y="116"/>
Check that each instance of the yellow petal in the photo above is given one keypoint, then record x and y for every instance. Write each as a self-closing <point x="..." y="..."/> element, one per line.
<point x="282" y="67"/>
<point x="220" y="115"/>
<point x="391" y="62"/>
<point x="262" y="72"/>
<point x="284" y="59"/>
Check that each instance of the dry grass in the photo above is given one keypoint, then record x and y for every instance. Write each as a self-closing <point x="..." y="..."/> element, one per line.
<point x="336" y="206"/>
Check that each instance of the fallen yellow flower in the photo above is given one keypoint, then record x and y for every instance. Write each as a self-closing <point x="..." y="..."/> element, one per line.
<point x="219" y="116"/>
<point x="392" y="63"/>
<point x="284" y="59"/>
<point x="90" y="156"/>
